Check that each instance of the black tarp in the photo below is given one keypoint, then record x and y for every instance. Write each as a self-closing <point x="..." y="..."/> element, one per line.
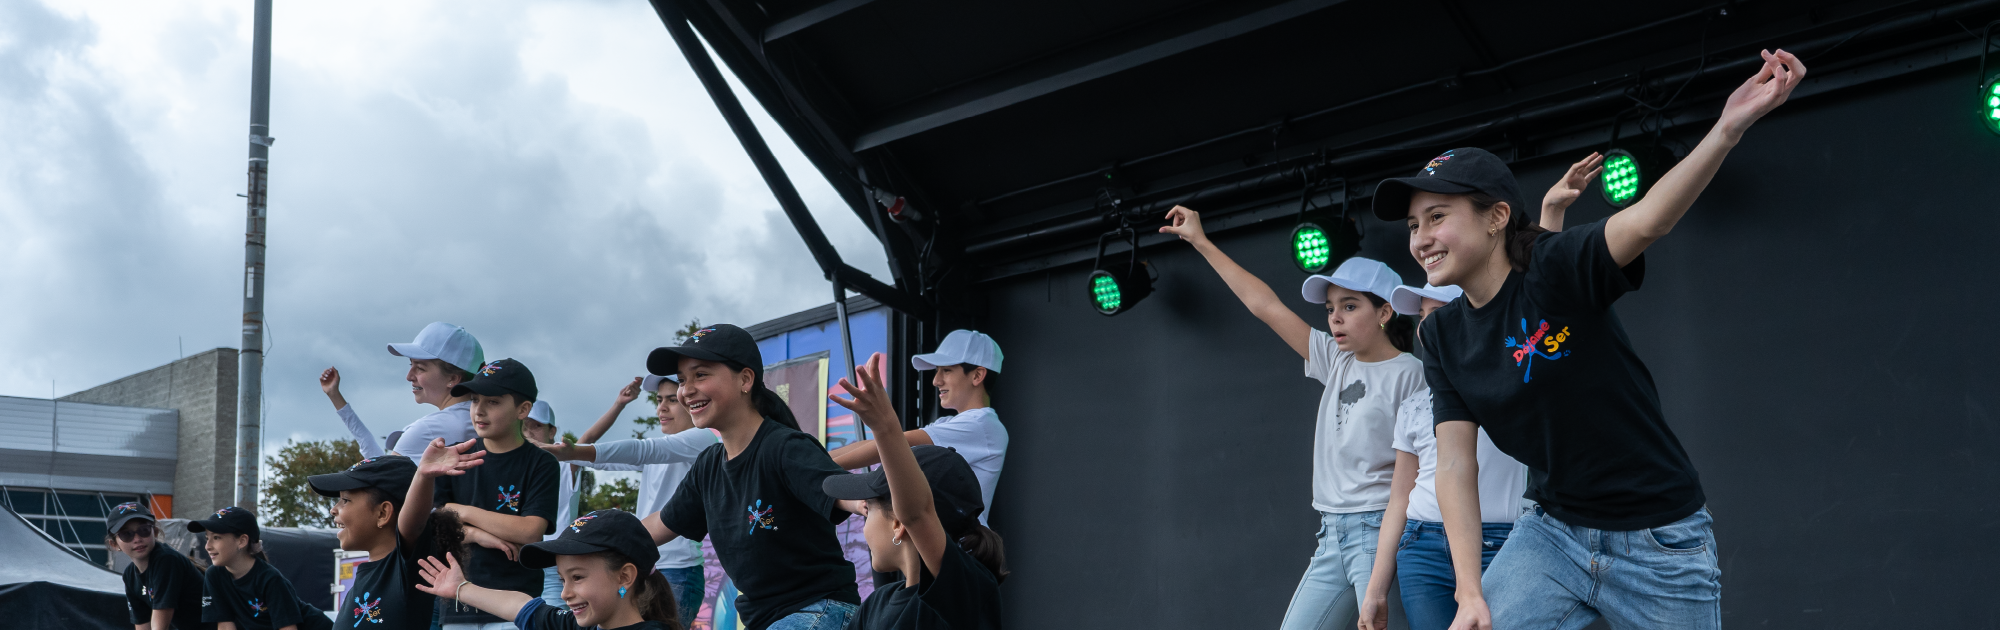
<point x="44" y="585"/>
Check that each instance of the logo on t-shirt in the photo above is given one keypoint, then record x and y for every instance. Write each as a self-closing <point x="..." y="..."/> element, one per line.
<point x="256" y="607"/>
<point x="205" y="600"/>
<point x="510" y="498"/>
<point x="145" y="592"/>
<point x="368" y="611"/>
<point x="762" y="518"/>
<point x="1352" y="393"/>
<point x="1534" y="345"/>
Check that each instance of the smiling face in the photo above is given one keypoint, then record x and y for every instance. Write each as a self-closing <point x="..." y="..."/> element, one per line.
<point x="141" y="533"/>
<point x="960" y="387"/>
<point x="1355" y="321"/>
<point x="673" y="416"/>
<point x="590" y="588"/>
<point x="429" y="381"/>
<point x="711" y="391"/>
<point x="1453" y="239"/>
<point x="362" y="518"/>
<point x="498" y="417"/>
<point x="881" y="531"/>
<point x="224" y="548"/>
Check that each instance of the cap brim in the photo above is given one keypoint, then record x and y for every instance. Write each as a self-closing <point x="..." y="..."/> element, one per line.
<point x="854" y="487"/>
<point x="1406" y="300"/>
<point x="932" y="361"/>
<point x="331" y="484"/>
<point x="543" y="554"/>
<point x="120" y="522"/>
<point x="665" y="361"/>
<point x="1392" y="196"/>
<point x="475" y="386"/>
<point x="410" y="351"/>
<point x="210" y="526"/>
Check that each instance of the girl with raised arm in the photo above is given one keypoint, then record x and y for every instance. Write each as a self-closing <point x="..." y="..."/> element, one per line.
<point x="605" y="559"/>
<point x="442" y="357"/>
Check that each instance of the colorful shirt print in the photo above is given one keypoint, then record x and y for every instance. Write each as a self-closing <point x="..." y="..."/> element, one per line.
<point x="762" y="518"/>
<point x="510" y="498"/>
<point x="366" y="610"/>
<point x="1526" y="351"/>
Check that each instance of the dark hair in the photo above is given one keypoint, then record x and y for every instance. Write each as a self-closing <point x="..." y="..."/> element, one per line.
<point x="979" y="542"/>
<point x="1400" y="329"/>
<point x="450" y="370"/>
<point x="255" y="548"/>
<point x="1520" y="232"/>
<point x="378" y="496"/>
<point x="650" y="593"/>
<point x="987" y="383"/>
<point x="767" y="402"/>
<point x="448" y="532"/>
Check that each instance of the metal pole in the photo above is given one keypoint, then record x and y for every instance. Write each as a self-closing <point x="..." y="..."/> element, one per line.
<point x="249" y="406"/>
<point x="846" y="343"/>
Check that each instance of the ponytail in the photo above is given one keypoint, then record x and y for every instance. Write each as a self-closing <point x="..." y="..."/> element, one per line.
<point x="1520" y="231"/>
<point x="985" y="546"/>
<point x="651" y="593"/>
<point x="1400" y="330"/>
<point x="448" y="533"/>
<point x="767" y="402"/>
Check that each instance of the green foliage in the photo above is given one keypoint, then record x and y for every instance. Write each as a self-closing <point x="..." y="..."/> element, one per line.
<point x="693" y="326"/>
<point x="620" y="493"/>
<point x="287" y="500"/>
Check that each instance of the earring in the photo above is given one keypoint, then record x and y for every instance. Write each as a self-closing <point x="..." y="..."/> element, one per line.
<point x="896" y="541"/>
<point x="1492" y="231"/>
<point x="1384" y="325"/>
<point x="621" y="592"/>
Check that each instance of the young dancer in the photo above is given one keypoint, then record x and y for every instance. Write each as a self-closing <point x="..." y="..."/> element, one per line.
<point x="757" y="498"/>
<point x="1363" y="359"/>
<point x="1421" y="566"/>
<point x="539" y="428"/>
<point x="664" y="462"/>
<point x="162" y="587"/>
<point x="441" y="357"/>
<point x="928" y="497"/>
<point x="966" y="362"/>
<point x="501" y="489"/>
<point x="368" y="496"/>
<point x="603" y="558"/>
<point x="1535" y="356"/>
<point x="242" y="591"/>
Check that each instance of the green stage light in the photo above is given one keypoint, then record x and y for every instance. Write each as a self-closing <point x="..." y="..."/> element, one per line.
<point x="1310" y="247"/>
<point x="1116" y="287"/>
<point x="1104" y="292"/>
<point x="1989" y="112"/>
<point x="1620" y="178"/>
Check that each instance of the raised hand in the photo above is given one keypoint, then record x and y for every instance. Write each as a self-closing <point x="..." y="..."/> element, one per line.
<point x="1570" y="188"/>
<point x="329" y="382"/>
<point x="448" y="459"/>
<point x="870" y="399"/>
<point x="1763" y="92"/>
<point x="440" y="578"/>
<point x="630" y="391"/>
<point x="1185" y="223"/>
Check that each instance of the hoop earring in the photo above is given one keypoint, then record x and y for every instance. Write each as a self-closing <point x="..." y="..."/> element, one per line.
<point x="896" y="541"/>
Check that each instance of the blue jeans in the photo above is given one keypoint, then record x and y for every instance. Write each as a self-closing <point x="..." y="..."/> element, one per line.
<point x="1423" y="569"/>
<point x="1337" y="574"/>
<point x="689" y="586"/>
<point x="1560" y="576"/>
<point x="552" y="588"/>
<point x="824" y="614"/>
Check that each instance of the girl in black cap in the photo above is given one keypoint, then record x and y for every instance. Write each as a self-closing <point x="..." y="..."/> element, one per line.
<point x="162" y="587"/>
<point x="1535" y="356"/>
<point x="757" y="495"/>
<point x="606" y="561"/>
<point x="927" y="498"/>
<point x="242" y="591"/>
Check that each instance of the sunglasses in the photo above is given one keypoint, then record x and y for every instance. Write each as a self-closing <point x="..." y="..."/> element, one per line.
<point x="142" y="531"/>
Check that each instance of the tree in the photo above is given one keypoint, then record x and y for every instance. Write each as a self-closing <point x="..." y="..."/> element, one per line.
<point x="288" y="500"/>
<point x="693" y="326"/>
<point x="620" y="493"/>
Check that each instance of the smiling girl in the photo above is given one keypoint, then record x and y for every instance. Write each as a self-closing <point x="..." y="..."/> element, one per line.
<point x="605" y="559"/>
<point x="242" y="591"/>
<point x="162" y="587"/>
<point x="1534" y="355"/>
<point x="1363" y="360"/>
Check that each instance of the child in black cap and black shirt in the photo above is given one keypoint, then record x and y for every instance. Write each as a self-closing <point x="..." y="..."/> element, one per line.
<point x="757" y="495"/>
<point x="162" y="587"/>
<point x="499" y="487"/>
<point x="242" y="591"/>
<point x="384" y="595"/>
<point x="606" y="561"/>
<point x="929" y="498"/>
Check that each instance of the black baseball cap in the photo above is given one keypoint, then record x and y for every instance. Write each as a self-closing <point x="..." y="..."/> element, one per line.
<point x="389" y="473"/>
<point x="954" y="489"/>
<point x="722" y="343"/>
<point x="125" y="512"/>
<point x="602" y="530"/>
<point x="1459" y="171"/>
<point x="505" y="376"/>
<point x="229" y="520"/>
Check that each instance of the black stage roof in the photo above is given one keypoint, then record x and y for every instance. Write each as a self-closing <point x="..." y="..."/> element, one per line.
<point x="1025" y="129"/>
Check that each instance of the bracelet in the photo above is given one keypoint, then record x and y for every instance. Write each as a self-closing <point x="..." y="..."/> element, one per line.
<point x="455" y="595"/>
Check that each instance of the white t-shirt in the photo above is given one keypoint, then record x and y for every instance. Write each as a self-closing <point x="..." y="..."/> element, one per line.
<point x="453" y="423"/>
<point x="1502" y="481"/>
<point x="665" y="462"/>
<point x="1353" y="460"/>
<point x="979" y="437"/>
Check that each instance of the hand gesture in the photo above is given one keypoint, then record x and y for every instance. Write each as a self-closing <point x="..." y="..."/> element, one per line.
<point x="564" y="452"/>
<point x="449" y="460"/>
<point x="329" y="381"/>
<point x="1185" y="223"/>
<point x="630" y="391"/>
<point x="1568" y="189"/>
<point x="1764" y="92"/>
<point x="440" y="578"/>
<point x="1473" y="615"/>
<point x="870" y="399"/>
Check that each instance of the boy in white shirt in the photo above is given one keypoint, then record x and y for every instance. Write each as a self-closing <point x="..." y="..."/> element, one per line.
<point x="966" y="363"/>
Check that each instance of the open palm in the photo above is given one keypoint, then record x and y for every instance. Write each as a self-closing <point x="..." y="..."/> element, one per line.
<point x="1763" y="92"/>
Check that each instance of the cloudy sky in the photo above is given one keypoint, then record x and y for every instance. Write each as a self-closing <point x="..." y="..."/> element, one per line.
<point x="548" y="174"/>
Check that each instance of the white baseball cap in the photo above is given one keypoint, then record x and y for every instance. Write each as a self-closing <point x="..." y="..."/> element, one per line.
<point x="961" y="347"/>
<point x="1409" y="300"/>
<point x="1357" y="274"/>
<point x="652" y="383"/>
<point x="542" y="413"/>
<point x="444" y="342"/>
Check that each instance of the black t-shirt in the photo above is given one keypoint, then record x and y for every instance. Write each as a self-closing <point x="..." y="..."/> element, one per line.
<point x="769" y="522"/>
<point x="170" y="582"/>
<point x="964" y="597"/>
<point x="261" y="600"/>
<point x="384" y="596"/>
<point x="538" y="615"/>
<point x="520" y="482"/>
<point x="1547" y="370"/>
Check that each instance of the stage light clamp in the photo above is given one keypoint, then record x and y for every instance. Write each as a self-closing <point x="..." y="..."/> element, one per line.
<point x="1114" y="290"/>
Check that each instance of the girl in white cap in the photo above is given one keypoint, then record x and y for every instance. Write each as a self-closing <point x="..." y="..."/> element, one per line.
<point x="1535" y="355"/>
<point x="1363" y="359"/>
<point x="441" y="357"/>
<point x="966" y="363"/>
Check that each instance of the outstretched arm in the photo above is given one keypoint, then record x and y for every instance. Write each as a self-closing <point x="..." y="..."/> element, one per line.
<point x="867" y="453"/>
<point x="445" y="580"/>
<point x="626" y="395"/>
<point x="329" y="383"/>
<point x="1632" y="230"/>
<point x="661" y="535"/>
<point x="1568" y="189"/>
<point x="1256" y="295"/>
<point x="909" y="493"/>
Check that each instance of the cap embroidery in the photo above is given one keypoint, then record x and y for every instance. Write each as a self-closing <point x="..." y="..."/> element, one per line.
<point x="360" y="463"/>
<point x="696" y="337"/>
<point x="577" y="526"/>
<point x="127" y="507"/>
<point x="224" y="511"/>
<point x="1431" y="169"/>
<point x="489" y="369"/>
